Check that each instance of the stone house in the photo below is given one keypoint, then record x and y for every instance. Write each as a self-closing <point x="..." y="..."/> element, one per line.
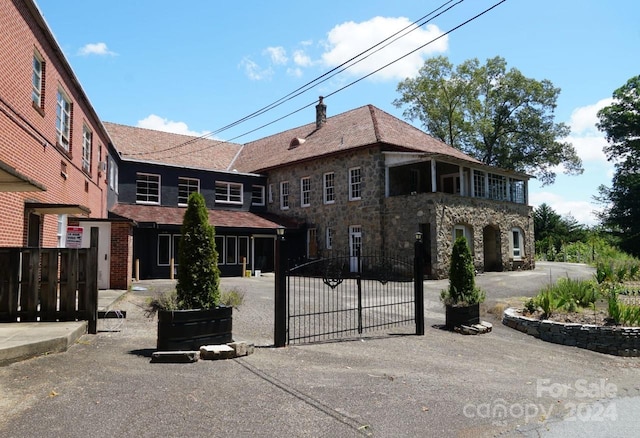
<point x="365" y="180"/>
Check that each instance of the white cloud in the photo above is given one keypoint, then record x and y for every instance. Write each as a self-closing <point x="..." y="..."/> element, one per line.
<point x="278" y="55"/>
<point x="295" y="72"/>
<point x="582" y="211"/>
<point x="161" y="124"/>
<point x="301" y="59"/>
<point x="254" y="71"/>
<point x="100" y="49"/>
<point x="585" y="136"/>
<point x="348" y="39"/>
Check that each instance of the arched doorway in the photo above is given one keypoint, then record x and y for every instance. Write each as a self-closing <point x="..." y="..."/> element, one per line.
<point x="492" y="252"/>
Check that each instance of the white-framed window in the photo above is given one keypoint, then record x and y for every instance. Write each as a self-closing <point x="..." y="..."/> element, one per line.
<point x="220" y="248"/>
<point x="479" y="187"/>
<point x="355" y="184"/>
<point x="329" y="187"/>
<point x="312" y="243"/>
<point x="305" y="191"/>
<point x="87" y="137"/>
<point x="517" y="244"/>
<point x="231" y="256"/>
<point x="257" y="195"/>
<point x="464" y="231"/>
<point x="518" y="190"/>
<point x="168" y="249"/>
<point x="38" y="74"/>
<point x="187" y="186"/>
<point x="63" y="120"/>
<point x="228" y="192"/>
<point x="329" y="238"/>
<point x="113" y="175"/>
<point x="284" y="195"/>
<point x="147" y="188"/>
<point x="270" y="193"/>
<point x="62" y="230"/>
<point x="497" y="187"/>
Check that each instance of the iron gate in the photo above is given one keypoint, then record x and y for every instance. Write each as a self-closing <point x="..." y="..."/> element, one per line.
<point x="342" y="296"/>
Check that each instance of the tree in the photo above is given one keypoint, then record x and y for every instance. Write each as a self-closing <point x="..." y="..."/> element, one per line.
<point x="198" y="284"/>
<point x="500" y="117"/>
<point x="620" y="122"/>
<point x="551" y="230"/>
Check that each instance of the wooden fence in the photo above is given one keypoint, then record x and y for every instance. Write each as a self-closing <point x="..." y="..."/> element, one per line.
<point x="50" y="284"/>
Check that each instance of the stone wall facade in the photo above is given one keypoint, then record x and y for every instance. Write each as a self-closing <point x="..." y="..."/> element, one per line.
<point x="618" y="341"/>
<point x="390" y="223"/>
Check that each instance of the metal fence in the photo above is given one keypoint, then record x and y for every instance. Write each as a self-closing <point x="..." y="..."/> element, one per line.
<point x="341" y="296"/>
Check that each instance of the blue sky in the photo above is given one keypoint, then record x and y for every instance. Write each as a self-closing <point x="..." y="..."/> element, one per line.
<point x="196" y="66"/>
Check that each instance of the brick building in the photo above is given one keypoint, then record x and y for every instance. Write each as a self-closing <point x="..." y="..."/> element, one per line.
<point x="53" y="147"/>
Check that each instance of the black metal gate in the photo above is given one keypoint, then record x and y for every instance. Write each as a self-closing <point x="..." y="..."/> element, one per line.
<point x="342" y="296"/>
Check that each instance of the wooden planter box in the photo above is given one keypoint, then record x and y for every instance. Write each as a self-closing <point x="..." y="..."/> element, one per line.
<point x="462" y="315"/>
<point x="187" y="330"/>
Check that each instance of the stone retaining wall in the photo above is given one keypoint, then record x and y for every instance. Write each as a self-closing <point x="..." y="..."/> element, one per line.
<point x="619" y="341"/>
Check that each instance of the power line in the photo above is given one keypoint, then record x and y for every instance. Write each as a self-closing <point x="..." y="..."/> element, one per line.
<point x="320" y="79"/>
<point x="341" y="88"/>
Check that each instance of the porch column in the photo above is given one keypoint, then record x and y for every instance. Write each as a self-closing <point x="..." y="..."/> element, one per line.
<point x="434" y="180"/>
<point x="461" y="176"/>
<point x="472" y="183"/>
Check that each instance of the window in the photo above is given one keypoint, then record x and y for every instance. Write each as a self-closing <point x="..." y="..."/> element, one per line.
<point x="147" y="188"/>
<point x="451" y="183"/>
<point x="228" y="192"/>
<point x="497" y="187"/>
<point x="231" y="257"/>
<point x="168" y="249"/>
<point x="479" y="190"/>
<point x="63" y="121"/>
<point x="355" y="184"/>
<point x="37" y="78"/>
<point x="517" y="244"/>
<point x="462" y="231"/>
<point x="518" y="191"/>
<point x="62" y="230"/>
<point x="329" y="188"/>
<point x="113" y="175"/>
<point x="329" y="238"/>
<point x="312" y="243"/>
<point x="187" y="186"/>
<point x="86" y="149"/>
<point x="305" y="191"/>
<point x="270" y="193"/>
<point x="257" y="195"/>
<point x="284" y="195"/>
<point x="220" y="248"/>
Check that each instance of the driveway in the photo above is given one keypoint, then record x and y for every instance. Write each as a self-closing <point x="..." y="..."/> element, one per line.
<point x="442" y="384"/>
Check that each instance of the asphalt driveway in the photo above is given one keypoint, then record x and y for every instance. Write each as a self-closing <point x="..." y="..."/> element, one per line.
<point x="442" y="384"/>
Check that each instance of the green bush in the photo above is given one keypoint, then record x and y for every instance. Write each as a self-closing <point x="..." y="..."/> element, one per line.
<point x="462" y="289"/>
<point x="198" y="284"/>
<point x="568" y="295"/>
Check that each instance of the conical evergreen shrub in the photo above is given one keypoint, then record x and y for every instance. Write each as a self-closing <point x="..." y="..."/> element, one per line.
<point x="198" y="284"/>
<point x="462" y="287"/>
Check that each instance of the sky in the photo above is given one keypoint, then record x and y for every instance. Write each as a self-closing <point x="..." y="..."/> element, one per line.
<point x="195" y="67"/>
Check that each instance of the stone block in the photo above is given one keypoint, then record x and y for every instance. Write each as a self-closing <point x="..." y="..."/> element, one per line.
<point x="214" y="352"/>
<point x="174" y="357"/>
<point x="241" y="348"/>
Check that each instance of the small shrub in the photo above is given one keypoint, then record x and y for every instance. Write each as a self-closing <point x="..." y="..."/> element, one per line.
<point x="530" y="305"/>
<point x="233" y="297"/>
<point x="549" y="301"/>
<point x="462" y="289"/>
<point x="163" y="301"/>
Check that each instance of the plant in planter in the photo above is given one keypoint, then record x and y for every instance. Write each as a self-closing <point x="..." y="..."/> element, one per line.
<point x="462" y="299"/>
<point x="199" y="318"/>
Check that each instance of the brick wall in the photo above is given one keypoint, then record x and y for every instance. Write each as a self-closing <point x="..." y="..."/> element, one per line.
<point x="121" y="255"/>
<point x="28" y="134"/>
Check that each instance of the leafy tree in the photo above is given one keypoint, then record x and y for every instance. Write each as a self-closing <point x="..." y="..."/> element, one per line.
<point x="198" y="284"/>
<point x="620" y="122"/>
<point x="500" y="117"/>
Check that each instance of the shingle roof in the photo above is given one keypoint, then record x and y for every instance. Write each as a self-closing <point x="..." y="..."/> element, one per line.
<point x="149" y="145"/>
<point x="218" y="218"/>
<point x="353" y="129"/>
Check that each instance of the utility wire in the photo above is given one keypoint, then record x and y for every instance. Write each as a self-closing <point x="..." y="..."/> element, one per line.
<point x="344" y="87"/>
<point x="320" y="79"/>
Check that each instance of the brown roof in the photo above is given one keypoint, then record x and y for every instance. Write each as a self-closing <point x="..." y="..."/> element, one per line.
<point x="168" y="148"/>
<point x="353" y="129"/>
<point x="218" y="218"/>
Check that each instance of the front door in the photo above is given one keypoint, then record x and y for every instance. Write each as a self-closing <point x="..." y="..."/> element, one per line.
<point x="104" y="249"/>
<point x="355" y="245"/>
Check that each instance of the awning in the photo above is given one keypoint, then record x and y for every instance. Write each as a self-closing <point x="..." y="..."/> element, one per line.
<point x="44" y="208"/>
<point x="13" y="181"/>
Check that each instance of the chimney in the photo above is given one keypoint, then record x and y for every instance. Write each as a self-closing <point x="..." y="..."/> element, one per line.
<point x="321" y="114"/>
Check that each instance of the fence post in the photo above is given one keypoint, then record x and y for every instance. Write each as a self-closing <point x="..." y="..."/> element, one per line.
<point x="418" y="283"/>
<point x="280" y="311"/>
<point x="92" y="281"/>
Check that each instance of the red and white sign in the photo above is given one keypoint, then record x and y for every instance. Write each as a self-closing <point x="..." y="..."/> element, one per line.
<point x="74" y="237"/>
